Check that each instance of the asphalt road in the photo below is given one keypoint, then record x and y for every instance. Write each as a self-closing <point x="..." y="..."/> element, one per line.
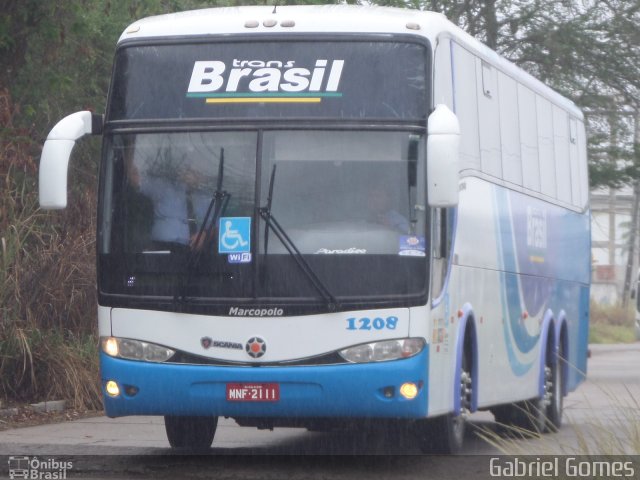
<point x="601" y="417"/>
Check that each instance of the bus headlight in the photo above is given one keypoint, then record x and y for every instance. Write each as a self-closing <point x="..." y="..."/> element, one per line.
<point x="383" y="351"/>
<point x="135" y="349"/>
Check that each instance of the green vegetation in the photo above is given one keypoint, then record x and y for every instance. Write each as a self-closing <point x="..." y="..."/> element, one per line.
<point x="47" y="363"/>
<point x="604" y="333"/>
<point x="56" y="59"/>
<point x="611" y="324"/>
<point x="48" y="348"/>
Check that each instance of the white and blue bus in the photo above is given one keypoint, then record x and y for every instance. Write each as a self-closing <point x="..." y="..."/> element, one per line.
<point x="311" y="215"/>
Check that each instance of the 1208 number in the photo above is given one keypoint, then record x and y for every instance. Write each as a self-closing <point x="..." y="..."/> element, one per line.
<point x="364" y="323"/>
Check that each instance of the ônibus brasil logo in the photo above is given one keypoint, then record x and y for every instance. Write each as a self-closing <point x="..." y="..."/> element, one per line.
<point x="257" y="81"/>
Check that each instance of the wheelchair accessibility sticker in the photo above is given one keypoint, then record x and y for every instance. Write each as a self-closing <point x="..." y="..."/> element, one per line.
<point x="235" y="235"/>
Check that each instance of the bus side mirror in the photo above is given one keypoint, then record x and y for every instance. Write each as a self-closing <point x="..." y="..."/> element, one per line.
<point x="54" y="160"/>
<point x="443" y="144"/>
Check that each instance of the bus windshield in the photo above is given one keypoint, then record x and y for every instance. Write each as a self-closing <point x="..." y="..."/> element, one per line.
<point x="199" y="134"/>
<point x="347" y="200"/>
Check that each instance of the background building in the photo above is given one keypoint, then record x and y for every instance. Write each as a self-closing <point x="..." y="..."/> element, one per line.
<point x="611" y="211"/>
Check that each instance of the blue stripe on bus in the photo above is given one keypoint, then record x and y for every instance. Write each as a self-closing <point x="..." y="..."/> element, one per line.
<point x="509" y="289"/>
<point x="524" y="341"/>
<point x="354" y="390"/>
<point x="535" y="279"/>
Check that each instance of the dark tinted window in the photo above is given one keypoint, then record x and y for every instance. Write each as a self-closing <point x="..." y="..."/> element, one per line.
<point x="350" y="202"/>
<point x="302" y="79"/>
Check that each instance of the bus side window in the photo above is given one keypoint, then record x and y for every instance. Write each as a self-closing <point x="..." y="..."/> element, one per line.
<point x="442" y="235"/>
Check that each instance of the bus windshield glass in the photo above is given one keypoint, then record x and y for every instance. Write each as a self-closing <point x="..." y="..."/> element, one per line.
<point x="346" y="200"/>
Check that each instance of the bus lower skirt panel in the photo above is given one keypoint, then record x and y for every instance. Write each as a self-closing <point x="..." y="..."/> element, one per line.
<point x="370" y="390"/>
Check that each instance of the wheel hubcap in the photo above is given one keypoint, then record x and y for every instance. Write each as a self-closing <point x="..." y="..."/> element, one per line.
<point x="548" y="396"/>
<point x="466" y="390"/>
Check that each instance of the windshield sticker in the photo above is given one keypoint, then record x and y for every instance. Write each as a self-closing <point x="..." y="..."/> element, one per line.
<point x="235" y="235"/>
<point x="258" y="81"/>
<point x="244" y="257"/>
<point x="348" y="251"/>
<point x="412" y="246"/>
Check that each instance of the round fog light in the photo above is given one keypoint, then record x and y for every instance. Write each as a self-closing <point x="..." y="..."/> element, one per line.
<point x="112" y="388"/>
<point x="409" y="391"/>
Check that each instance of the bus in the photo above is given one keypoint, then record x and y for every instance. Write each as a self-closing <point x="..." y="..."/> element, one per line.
<point x="313" y="216"/>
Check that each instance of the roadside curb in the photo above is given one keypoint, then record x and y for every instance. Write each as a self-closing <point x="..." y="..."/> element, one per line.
<point x="49" y="406"/>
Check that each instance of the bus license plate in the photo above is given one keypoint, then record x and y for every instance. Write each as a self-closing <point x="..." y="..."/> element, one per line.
<point x="253" y="392"/>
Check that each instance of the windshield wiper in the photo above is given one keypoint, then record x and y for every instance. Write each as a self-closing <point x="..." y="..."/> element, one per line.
<point x="217" y="207"/>
<point x="272" y="223"/>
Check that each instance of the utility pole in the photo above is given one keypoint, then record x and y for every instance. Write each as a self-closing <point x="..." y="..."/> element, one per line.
<point x="635" y="206"/>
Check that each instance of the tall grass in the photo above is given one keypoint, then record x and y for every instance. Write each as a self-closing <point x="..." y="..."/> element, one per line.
<point x="39" y="364"/>
<point x="611" y="324"/>
<point x="47" y="282"/>
<point x="611" y="428"/>
<point x="613" y="434"/>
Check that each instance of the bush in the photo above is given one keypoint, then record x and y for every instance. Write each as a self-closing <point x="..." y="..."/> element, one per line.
<point x="611" y="314"/>
<point x="611" y="324"/>
<point x="47" y="284"/>
<point x="39" y="364"/>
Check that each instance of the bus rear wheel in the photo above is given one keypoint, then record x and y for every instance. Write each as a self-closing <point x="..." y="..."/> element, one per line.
<point x="194" y="433"/>
<point x="554" y="385"/>
<point x="542" y="414"/>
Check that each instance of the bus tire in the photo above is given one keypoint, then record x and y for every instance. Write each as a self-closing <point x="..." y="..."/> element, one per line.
<point x="445" y="434"/>
<point x="192" y="433"/>
<point x="555" y="394"/>
<point x="526" y="415"/>
<point x="542" y="414"/>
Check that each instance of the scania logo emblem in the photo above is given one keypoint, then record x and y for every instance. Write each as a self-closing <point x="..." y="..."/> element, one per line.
<point x="206" y="342"/>
<point x="256" y="347"/>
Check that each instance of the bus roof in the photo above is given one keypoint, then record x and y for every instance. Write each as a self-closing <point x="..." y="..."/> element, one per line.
<point x="312" y="19"/>
<point x="255" y="19"/>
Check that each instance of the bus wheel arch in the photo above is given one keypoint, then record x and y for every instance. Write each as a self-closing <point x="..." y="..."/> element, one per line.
<point x="543" y="412"/>
<point x="547" y="344"/>
<point x="553" y="370"/>
<point x="556" y="362"/>
<point x="562" y="349"/>
<point x="465" y="381"/>
<point x="466" y="351"/>
<point x="445" y="434"/>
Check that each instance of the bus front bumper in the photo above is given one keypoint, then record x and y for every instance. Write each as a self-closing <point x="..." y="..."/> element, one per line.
<point x="331" y="391"/>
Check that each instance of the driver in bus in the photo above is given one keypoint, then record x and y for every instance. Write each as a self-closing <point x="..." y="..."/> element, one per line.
<point x="179" y="204"/>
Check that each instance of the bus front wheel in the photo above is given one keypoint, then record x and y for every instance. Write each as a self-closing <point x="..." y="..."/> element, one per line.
<point x="190" y="432"/>
<point x="445" y="434"/>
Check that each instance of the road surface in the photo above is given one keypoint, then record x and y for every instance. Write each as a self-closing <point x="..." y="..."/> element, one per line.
<point x="601" y="417"/>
